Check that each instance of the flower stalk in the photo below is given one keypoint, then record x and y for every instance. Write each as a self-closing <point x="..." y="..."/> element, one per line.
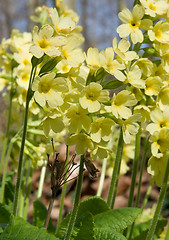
<point x="157" y="213"/>
<point x="115" y="175"/>
<point x="19" y="172"/>
<point x="76" y="202"/>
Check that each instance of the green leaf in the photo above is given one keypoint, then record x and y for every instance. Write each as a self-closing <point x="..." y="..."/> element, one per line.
<point x="4" y="216"/>
<point x="49" y="65"/>
<point x="116" y="220"/>
<point x="9" y="188"/>
<point x="86" y="228"/>
<point x="63" y="227"/>
<point x="19" y="229"/>
<point x="5" y="213"/>
<point x="39" y="215"/>
<point x="111" y="84"/>
<point x="140" y="230"/>
<point x="107" y="234"/>
<point x="36" y="61"/>
<point x="94" y="205"/>
<point x="100" y="74"/>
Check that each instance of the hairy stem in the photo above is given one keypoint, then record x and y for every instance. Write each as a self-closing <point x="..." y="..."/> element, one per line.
<point x="116" y="169"/>
<point x="19" y="172"/>
<point x="28" y="190"/>
<point x="102" y="177"/>
<point x="63" y="191"/>
<point x="42" y="178"/>
<point x="134" y="170"/>
<point x="76" y="202"/>
<point x="157" y="213"/>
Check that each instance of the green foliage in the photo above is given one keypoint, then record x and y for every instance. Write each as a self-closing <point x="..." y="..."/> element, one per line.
<point x="117" y="220"/>
<point x="96" y="76"/>
<point x="94" y="205"/>
<point x="111" y="84"/>
<point x="9" y="189"/>
<point x="19" y="229"/>
<point x="4" y="216"/>
<point x="49" y="65"/>
<point x="107" y="234"/>
<point x="140" y="230"/>
<point x="39" y="215"/>
<point x="96" y="221"/>
<point x="36" y="61"/>
<point x="86" y="228"/>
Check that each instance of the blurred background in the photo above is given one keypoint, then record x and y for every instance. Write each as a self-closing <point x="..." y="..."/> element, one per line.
<point x="98" y="18"/>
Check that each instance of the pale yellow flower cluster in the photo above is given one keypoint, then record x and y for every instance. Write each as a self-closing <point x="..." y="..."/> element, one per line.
<point x="73" y="88"/>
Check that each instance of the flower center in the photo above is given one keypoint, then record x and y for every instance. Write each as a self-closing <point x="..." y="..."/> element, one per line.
<point x="44" y="87"/>
<point x="91" y="96"/>
<point x="152" y="7"/>
<point x="158" y="33"/>
<point x="43" y="44"/>
<point x="162" y="124"/>
<point x="25" y="77"/>
<point x="134" y="23"/>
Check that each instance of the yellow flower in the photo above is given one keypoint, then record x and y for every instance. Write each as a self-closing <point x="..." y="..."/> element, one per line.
<point x="23" y="57"/>
<point x="93" y="58"/>
<point x="53" y="123"/>
<point x="160" y="142"/>
<point x="93" y="96"/>
<point x="163" y="97"/>
<point x="133" y="76"/>
<point x="110" y="65"/>
<point x="23" y="76"/>
<point x="145" y="65"/>
<point x="63" y="25"/>
<point x="133" y="23"/>
<point x="100" y="151"/>
<point x="156" y="167"/>
<point x="82" y="141"/>
<point x="45" y="43"/>
<point x="122" y="50"/>
<point x="78" y="119"/>
<point x="101" y="129"/>
<point x="121" y="103"/>
<point x="160" y="120"/>
<point x="144" y="111"/>
<point x="130" y="127"/>
<point x="47" y="90"/>
<point x="63" y="66"/>
<point x="160" y="32"/>
<point x="72" y="53"/>
<point x="154" y="7"/>
<point x="153" y="86"/>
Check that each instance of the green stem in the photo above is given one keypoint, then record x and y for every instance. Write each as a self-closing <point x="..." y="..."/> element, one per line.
<point x="63" y="192"/>
<point x="103" y="172"/>
<point x="7" y="131"/>
<point x="19" y="172"/>
<point x="76" y="202"/>
<point x="117" y="163"/>
<point x="147" y="195"/>
<point x="28" y="190"/>
<point x="146" y="149"/>
<point x="167" y="234"/>
<point x="5" y="171"/>
<point x="42" y="178"/>
<point x="23" y="187"/>
<point x="134" y="171"/>
<point x="159" y="204"/>
<point x="49" y="212"/>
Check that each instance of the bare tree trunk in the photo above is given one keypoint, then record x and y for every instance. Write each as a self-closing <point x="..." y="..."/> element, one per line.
<point x="7" y="15"/>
